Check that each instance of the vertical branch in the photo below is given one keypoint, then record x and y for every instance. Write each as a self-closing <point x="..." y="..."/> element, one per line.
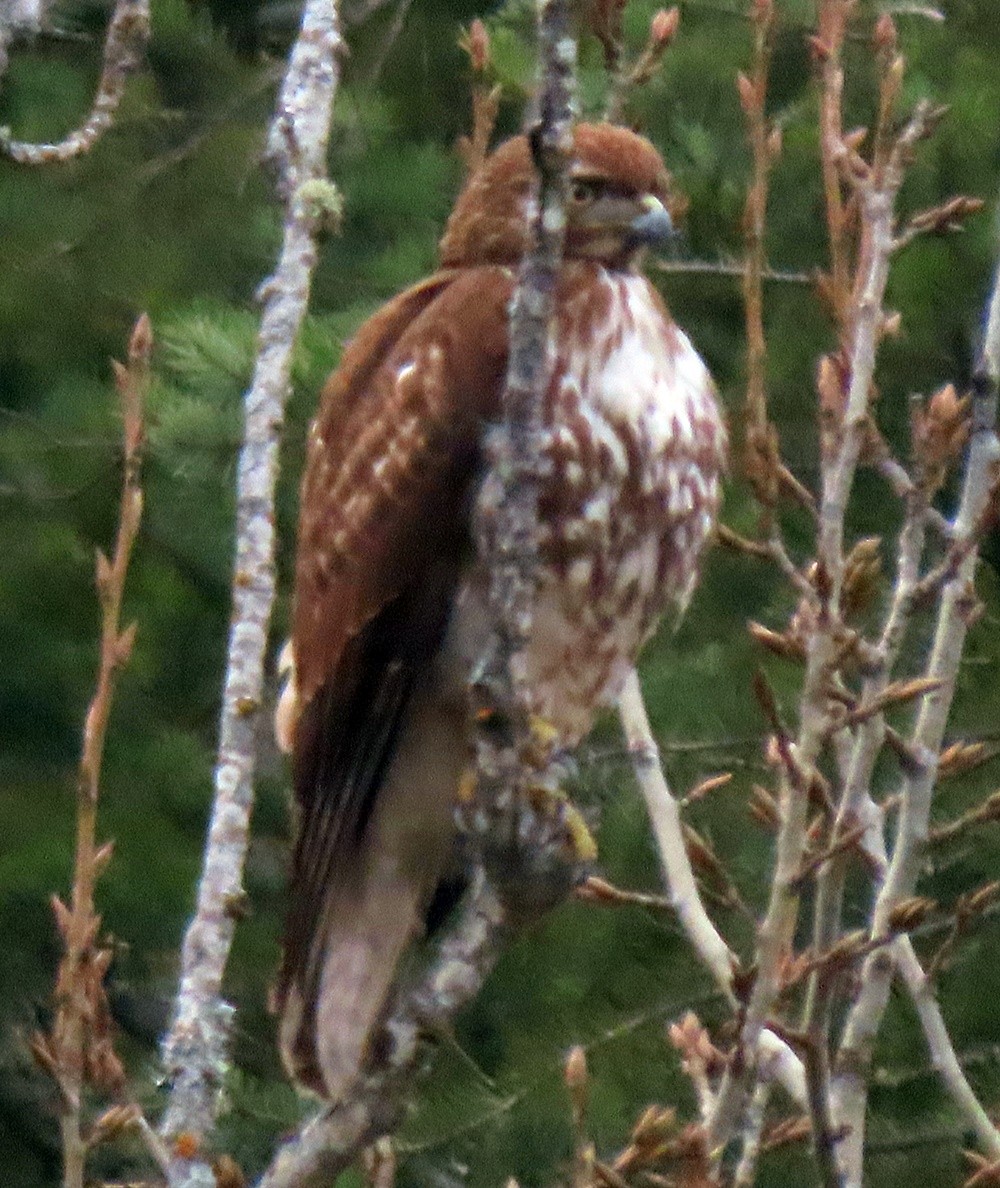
<point x="124" y="44"/>
<point x="507" y="513"/>
<point x="194" y="1051"/>
<point x="761" y="460"/>
<point x="74" y="1052"/>
<point x="955" y="612"/>
<point x="827" y="46"/>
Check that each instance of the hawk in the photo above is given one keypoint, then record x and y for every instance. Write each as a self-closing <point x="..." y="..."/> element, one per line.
<point x="390" y="617"/>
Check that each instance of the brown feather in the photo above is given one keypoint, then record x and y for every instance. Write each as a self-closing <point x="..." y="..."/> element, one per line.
<point x="388" y="458"/>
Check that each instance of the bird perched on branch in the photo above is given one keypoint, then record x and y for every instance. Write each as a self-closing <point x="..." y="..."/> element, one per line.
<point x="390" y="615"/>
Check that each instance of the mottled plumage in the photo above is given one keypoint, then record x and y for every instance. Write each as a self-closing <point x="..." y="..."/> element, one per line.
<point x="389" y="601"/>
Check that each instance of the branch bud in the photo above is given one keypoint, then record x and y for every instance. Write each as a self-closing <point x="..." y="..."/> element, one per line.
<point x="961" y="757"/>
<point x="140" y="345"/>
<point x="854" y="139"/>
<point x="575" y="1071"/>
<point x="663" y="27"/>
<point x="228" y="1173"/>
<point x="862" y="571"/>
<point x="124" y="644"/>
<point x="749" y="100"/>
<point x="892" y="324"/>
<point x="910" y="912"/>
<point x="64" y="917"/>
<point x="884" y="38"/>
<point x="893" y="80"/>
<point x="476" y="44"/>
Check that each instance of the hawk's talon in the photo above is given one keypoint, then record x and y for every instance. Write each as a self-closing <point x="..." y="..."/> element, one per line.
<point x="553" y="802"/>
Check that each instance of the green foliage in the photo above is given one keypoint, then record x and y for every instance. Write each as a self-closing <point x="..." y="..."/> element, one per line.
<point x="170" y="213"/>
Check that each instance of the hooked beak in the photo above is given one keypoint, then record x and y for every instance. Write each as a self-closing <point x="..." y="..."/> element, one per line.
<point x="653" y="227"/>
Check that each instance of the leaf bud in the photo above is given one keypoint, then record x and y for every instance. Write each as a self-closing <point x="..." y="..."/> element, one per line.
<point x="663" y="27"/>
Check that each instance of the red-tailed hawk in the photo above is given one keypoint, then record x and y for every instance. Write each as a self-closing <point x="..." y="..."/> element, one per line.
<point x="389" y="601"/>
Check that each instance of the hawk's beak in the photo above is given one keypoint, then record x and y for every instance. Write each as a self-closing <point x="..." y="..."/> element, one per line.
<point x="653" y="227"/>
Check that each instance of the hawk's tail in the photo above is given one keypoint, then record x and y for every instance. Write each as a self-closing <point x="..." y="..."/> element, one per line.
<point x="341" y="970"/>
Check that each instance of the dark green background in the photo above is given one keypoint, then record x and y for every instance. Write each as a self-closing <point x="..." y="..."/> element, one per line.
<point x="170" y="214"/>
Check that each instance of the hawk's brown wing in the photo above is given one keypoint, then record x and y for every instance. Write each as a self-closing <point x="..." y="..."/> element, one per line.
<point x="384" y="529"/>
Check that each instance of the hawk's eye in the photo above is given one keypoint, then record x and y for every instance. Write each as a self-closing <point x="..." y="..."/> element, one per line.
<point x="584" y="189"/>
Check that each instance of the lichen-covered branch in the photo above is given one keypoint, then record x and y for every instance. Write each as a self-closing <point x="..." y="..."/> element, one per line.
<point x="194" y="1051"/>
<point x="124" y="45"/>
<point x="523" y="853"/>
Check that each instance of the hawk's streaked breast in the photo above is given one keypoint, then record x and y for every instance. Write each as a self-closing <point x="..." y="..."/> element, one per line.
<point x="637" y="446"/>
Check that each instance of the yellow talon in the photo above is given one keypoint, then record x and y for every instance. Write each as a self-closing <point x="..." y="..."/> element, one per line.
<point x="542" y="731"/>
<point x="581" y="839"/>
<point x="584" y="845"/>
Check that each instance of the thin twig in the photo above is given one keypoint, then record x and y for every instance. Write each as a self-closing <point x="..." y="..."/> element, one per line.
<point x="76" y="1047"/>
<point x="761" y="444"/>
<point x="781" y="276"/>
<point x="194" y="1051"/>
<point x="124" y="45"/>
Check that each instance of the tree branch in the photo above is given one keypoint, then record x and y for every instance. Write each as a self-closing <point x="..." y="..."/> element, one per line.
<point x="664" y="815"/>
<point x="194" y="1051"/>
<point x="78" y="1050"/>
<point x="124" y="45"/>
<point x="917" y="788"/>
<point x="507" y="511"/>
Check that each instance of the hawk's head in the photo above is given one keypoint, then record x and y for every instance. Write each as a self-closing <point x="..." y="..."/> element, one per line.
<point x="619" y="202"/>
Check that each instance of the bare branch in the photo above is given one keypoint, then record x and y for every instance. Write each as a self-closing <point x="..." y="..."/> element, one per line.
<point x="78" y="1050"/>
<point x="916" y="793"/>
<point x="124" y="45"/>
<point x="664" y="814"/>
<point x="782" y="276"/>
<point x="517" y="844"/>
<point x="194" y="1051"/>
